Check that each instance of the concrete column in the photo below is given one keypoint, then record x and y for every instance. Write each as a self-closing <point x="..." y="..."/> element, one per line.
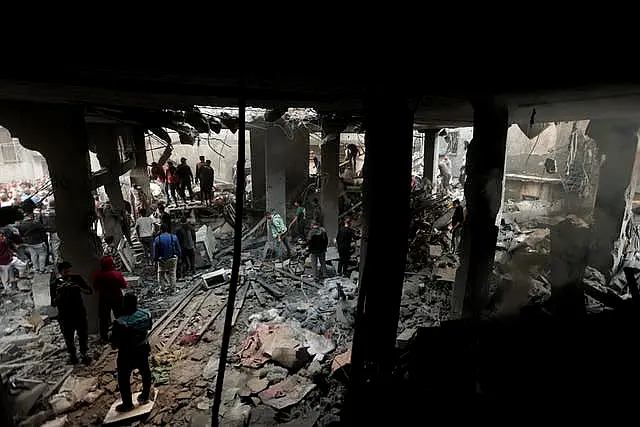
<point x="383" y="258"/>
<point x="297" y="164"/>
<point x="618" y="142"/>
<point x="139" y="175"/>
<point x="483" y="191"/>
<point x="430" y="170"/>
<point x="275" y="169"/>
<point x="258" y="162"/>
<point x="329" y="165"/>
<point x="104" y="137"/>
<point x="58" y="132"/>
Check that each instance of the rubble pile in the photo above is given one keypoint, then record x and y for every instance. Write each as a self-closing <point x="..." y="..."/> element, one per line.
<point x="520" y="276"/>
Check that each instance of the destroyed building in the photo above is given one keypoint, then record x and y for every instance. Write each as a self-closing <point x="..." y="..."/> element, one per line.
<point x="414" y="324"/>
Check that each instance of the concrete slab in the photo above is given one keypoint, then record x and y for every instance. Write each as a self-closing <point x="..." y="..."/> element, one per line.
<point x="40" y="290"/>
<point x="114" y="416"/>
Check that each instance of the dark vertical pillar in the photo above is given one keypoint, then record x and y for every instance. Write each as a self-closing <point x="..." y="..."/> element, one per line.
<point x="618" y="141"/>
<point x="140" y="174"/>
<point x="383" y="257"/>
<point x="258" y="177"/>
<point x="60" y="135"/>
<point x="483" y="192"/>
<point x="430" y="170"/>
<point x="105" y="139"/>
<point x="297" y="163"/>
<point x="276" y="143"/>
<point x="329" y="165"/>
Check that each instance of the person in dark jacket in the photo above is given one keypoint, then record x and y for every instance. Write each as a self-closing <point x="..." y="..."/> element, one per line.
<point x="317" y="241"/>
<point x="456" y="226"/>
<point x="186" y="178"/>
<point x="66" y="294"/>
<point x="206" y="176"/>
<point x="130" y="337"/>
<point x="108" y="283"/>
<point x="173" y="179"/>
<point x="343" y="241"/>
<point x="187" y="238"/>
<point x="34" y="238"/>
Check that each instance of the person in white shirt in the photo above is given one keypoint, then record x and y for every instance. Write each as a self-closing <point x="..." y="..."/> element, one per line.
<point x="146" y="228"/>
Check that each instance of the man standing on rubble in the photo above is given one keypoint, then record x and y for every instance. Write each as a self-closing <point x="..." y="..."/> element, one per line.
<point x="66" y="294"/>
<point x="278" y="231"/>
<point x="34" y="237"/>
<point x="317" y="241"/>
<point x="445" y="173"/>
<point x="166" y="252"/>
<point x="456" y="226"/>
<point x="108" y="283"/>
<point x="186" y="178"/>
<point x="130" y="337"/>
<point x="145" y="229"/>
<point x="343" y="241"/>
<point x="206" y="176"/>
<point x="198" y="166"/>
<point x="174" y="182"/>
<point x="187" y="238"/>
<point x="163" y="217"/>
<point x="300" y="220"/>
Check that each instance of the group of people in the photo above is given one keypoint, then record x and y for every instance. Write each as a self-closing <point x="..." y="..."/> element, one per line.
<point x="178" y="180"/>
<point x="129" y="331"/>
<point x="15" y="192"/>
<point x="315" y="238"/>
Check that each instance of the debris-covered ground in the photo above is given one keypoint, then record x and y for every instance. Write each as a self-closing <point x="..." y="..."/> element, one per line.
<point x="290" y="346"/>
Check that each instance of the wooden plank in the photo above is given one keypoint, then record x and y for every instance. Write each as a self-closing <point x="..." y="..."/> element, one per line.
<point x="208" y="324"/>
<point x="174" y="310"/>
<point x="254" y="229"/>
<point x="256" y="291"/>
<point x="273" y="291"/>
<point x="186" y="321"/>
<point x="114" y="416"/>
<point x="290" y="275"/>
<point x="239" y="304"/>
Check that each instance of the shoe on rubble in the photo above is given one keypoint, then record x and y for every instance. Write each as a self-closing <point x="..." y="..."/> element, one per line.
<point x="124" y="407"/>
<point x="86" y="359"/>
<point x="73" y="359"/>
<point x="143" y="399"/>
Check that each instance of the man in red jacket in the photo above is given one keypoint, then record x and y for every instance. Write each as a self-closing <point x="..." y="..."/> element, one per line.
<point x="108" y="283"/>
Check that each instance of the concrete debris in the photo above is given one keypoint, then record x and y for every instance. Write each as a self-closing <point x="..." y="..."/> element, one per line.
<point x="287" y="393"/>
<point x="341" y="361"/>
<point x="211" y="368"/>
<point x="58" y="422"/>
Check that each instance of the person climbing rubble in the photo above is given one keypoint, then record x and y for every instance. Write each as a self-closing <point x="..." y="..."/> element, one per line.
<point x="108" y="283"/>
<point x="300" y="220"/>
<point x="130" y="337"/>
<point x="345" y="237"/>
<point x="109" y="249"/>
<point x="166" y="252"/>
<point x="145" y="229"/>
<point x="186" y="179"/>
<point x="187" y="238"/>
<point x="66" y="294"/>
<point x="278" y="231"/>
<point x="34" y="238"/>
<point x="8" y="259"/>
<point x="317" y="242"/>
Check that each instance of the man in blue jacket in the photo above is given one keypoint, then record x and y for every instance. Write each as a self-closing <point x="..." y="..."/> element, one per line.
<point x="130" y="337"/>
<point x="166" y="252"/>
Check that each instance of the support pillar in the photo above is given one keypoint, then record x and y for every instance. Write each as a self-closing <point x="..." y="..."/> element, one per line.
<point x="258" y="163"/>
<point x="483" y="191"/>
<point x="104" y="138"/>
<point x="329" y="165"/>
<point x="618" y="141"/>
<point x="383" y="259"/>
<point x="430" y="157"/>
<point x="297" y="163"/>
<point x="60" y="135"/>
<point x="139" y="175"/>
<point x="275" y="169"/>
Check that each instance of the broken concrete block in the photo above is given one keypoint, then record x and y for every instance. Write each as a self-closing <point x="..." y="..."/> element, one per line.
<point x="36" y="420"/>
<point x="287" y="393"/>
<point x="435" y="251"/>
<point x="445" y="274"/>
<point x="256" y="385"/>
<point x="211" y="368"/>
<point x="405" y="337"/>
<point x="341" y="361"/>
<point x="58" y="422"/>
<point x="28" y="398"/>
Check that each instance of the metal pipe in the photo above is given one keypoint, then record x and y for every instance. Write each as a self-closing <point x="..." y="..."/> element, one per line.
<point x="235" y="267"/>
